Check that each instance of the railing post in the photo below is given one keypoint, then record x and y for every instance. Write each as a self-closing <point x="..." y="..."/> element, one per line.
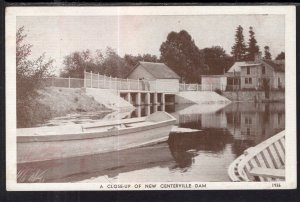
<point x="138" y="84"/>
<point x="184" y="86"/>
<point x="104" y="84"/>
<point x="98" y="80"/>
<point x="210" y="87"/>
<point x="84" y="79"/>
<point x="128" y="84"/>
<point x="197" y="87"/>
<point x="52" y="81"/>
<point x="69" y="82"/>
<point x="110" y="85"/>
<point x="91" y="79"/>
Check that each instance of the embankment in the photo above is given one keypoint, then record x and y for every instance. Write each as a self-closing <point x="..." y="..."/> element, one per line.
<point x="53" y="102"/>
<point x="109" y="98"/>
<point x="255" y="96"/>
<point x="200" y="97"/>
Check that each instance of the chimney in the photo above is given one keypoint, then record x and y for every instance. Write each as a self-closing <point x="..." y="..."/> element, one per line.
<point x="257" y="56"/>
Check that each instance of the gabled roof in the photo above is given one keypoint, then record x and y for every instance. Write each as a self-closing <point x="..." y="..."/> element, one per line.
<point x="236" y="67"/>
<point x="277" y="66"/>
<point x="158" y="70"/>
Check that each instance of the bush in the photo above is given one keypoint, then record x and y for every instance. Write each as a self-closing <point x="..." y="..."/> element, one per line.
<point x="29" y="76"/>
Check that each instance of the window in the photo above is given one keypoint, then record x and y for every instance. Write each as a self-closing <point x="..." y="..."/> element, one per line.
<point x="250" y="80"/>
<point x="248" y="70"/>
<point x="246" y="80"/>
<point x="263" y="70"/>
<point x="279" y="84"/>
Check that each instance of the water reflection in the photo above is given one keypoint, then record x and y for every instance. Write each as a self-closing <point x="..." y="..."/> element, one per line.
<point x="226" y="131"/>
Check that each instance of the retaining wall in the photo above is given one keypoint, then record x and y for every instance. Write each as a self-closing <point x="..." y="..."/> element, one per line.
<point x="251" y="96"/>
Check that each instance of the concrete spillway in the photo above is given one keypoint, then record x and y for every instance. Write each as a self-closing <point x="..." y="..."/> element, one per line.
<point x="200" y="97"/>
<point x="109" y="98"/>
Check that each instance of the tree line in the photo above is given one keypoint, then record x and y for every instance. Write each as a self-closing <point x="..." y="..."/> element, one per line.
<point x="242" y="52"/>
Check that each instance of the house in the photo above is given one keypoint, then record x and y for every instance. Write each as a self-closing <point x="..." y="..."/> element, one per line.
<point x="160" y="76"/>
<point x="257" y="74"/>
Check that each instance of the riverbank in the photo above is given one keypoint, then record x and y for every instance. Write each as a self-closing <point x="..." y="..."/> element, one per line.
<point x="54" y="102"/>
<point x="255" y="96"/>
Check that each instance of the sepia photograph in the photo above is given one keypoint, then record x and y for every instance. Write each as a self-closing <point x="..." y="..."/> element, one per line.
<point x="158" y="98"/>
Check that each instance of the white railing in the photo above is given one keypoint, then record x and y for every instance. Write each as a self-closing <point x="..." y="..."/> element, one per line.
<point x="63" y="82"/>
<point x="201" y="87"/>
<point x="92" y="80"/>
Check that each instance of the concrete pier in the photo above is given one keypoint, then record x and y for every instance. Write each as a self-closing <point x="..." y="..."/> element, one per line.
<point x="162" y="98"/>
<point x="138" y="99"/>
<point x="147" y="99"/>
<point x="155" y="99"/>
<point x="128" y="98"/>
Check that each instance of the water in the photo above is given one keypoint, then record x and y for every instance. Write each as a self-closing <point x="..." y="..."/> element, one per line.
<point x="204" y="156"/>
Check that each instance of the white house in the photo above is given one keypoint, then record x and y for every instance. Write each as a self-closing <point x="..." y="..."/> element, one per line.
<point x="160" y="76"/>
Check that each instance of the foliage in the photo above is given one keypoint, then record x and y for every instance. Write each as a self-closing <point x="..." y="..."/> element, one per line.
<point x="76" y="62"/>
<point x="29" y="77"/>
<point x="280" y="56"/>
<point x="239" y="48"/>
<point x="217" y="60"/>
<point x="180" y="53"/>
<point x="253" y="48"/>
<point x="109" y="63"/>
<point x="133" y="60"/>
<point x="268" y="55"/>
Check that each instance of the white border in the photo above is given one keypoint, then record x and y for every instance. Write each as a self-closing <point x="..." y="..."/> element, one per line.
<point x="290" y="100"/>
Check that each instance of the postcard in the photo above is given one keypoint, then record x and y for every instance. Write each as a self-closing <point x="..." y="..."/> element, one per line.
<point x="150" y="98"/>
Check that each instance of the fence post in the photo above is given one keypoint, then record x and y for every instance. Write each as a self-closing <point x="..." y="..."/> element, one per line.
<point x="69" y="82"/>
<point x="197" y="87"/>
<point x="127" y="84"/>
<point x="110" y="82"/>
<point x="104" y="84"/>
<point x="210" y="87"/>
<point x="52" y="81"/>
<point x="91" y="79"/>
<point x="98" y="80"/>
<point x="184" y="86"/>
<point x="84" y="80"/>
<point x="138" y="84"/>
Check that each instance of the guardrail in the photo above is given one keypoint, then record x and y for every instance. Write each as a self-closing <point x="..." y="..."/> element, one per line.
<point x="92" y="80"/>
<point x="201" y="87"/>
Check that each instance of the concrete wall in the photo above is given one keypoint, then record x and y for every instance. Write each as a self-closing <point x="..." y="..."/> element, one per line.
<point x="252" y="95"/>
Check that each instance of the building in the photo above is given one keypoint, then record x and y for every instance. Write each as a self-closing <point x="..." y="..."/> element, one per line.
<point x="213" y="82"/>
<point x="257" y="74"/>
<point x="159" y="76"/>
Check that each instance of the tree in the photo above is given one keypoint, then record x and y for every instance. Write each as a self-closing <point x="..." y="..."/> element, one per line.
<point x="253" y="48"/>
<point x="76" y="62"/>
<point x="239" y="48"/>
<point x="30" y="74"/>
<point x="181" y="54"/>
<point x="268" y="55"/>
<point x="280" y="56"/>
<point x="133" y="60"/>
<point x="109" y="63"/>
<point x="114" y="65"/>
<point x="217" y="60"/>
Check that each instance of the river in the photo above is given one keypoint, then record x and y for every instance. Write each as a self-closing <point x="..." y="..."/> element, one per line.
<point x="204" y="156"/>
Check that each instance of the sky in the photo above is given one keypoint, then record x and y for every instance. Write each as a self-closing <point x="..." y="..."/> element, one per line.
<point x="60" y="36"/>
